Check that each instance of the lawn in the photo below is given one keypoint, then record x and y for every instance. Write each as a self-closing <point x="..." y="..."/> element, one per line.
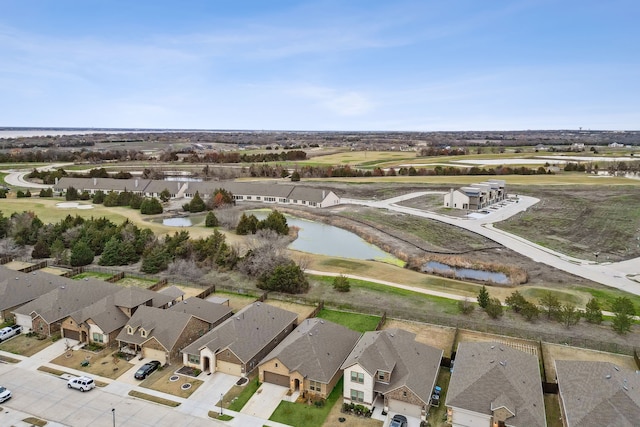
<point x="152" y="398"/>
<point x="160" y="381"/>
<point x="136" y="281"/>
<point x="102" y="363"/>
<point x="304" y="415"/>
<point x="552" y="410"/>
<point x="92" y="274"/>
<point x="25" y="345"/>
<point x="606" y="297"/>
<point x="238" y="396"/>
<point x="354" y="321"/>
<point x="438" y="415"/>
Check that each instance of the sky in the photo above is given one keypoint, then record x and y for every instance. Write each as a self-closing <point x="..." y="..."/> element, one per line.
<point x="321" y="65"/>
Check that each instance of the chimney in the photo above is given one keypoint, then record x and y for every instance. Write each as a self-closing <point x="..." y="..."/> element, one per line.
<point x="56" y="181"/>
<point x="95" y="181"/>
<point x="322" y="194"/>
<point x="136" y="183"/>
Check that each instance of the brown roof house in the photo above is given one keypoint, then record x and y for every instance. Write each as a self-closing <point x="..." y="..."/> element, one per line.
<point x="17" y="289"/>
<point x="45" y="314"/>
<point x="309" y="359"/>
<point x="101" y="321"/>
<point x="391" y="368"/>
<point x="495" y="385"/>
<point x="240" y="342"/>
<point x="161" y="334"/>
<point x="595" y="394"/>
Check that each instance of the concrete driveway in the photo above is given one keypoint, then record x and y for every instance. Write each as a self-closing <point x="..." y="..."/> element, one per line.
<point x="265" y="400"/>
<point x="411" y="421"/>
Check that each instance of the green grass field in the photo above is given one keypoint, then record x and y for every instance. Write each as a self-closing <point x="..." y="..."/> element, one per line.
<point x="354" y="321"/>
<point x="301" y="414"/>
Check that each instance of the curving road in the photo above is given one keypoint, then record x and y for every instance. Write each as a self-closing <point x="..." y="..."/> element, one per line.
<point x="16" y="178"/>
<point x="615" y="275"/>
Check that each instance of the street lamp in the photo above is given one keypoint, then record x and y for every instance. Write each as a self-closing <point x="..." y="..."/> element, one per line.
<point x="113" y="412"/>
<point x="221" y="397"/>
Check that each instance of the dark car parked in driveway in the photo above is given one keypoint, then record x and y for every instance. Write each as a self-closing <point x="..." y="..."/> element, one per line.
<point x="146" y="370"/>
<point x="398" y="421"/>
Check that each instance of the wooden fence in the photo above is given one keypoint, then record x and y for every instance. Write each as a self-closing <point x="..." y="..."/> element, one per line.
<point x="115" y="277"/>
<point x="158" y="285"/>
<point x="211" y="289"/>
<point x="382" y="321"/>
<point x="73" y="272"/>
<point x="34" y="267"/>
<point x="316" y="310"/>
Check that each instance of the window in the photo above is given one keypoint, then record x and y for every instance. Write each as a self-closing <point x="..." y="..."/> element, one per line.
<point x="130" y="330"/>
<point x="143" y="332"/>
<point x="381" y="376"/>
<point x="97" y="337"/>
<point x="194" y="358"/>
<point x="314" y="386"/>
<point x="357" y="396"/>
<point x="276" y="365"/>
<point x="404" y="394"/>
<point x="357" y="377"/>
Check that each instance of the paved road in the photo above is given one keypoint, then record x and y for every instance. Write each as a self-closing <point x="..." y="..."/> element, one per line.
<point x="16" y="178"/>
<point x="614" y="275"/>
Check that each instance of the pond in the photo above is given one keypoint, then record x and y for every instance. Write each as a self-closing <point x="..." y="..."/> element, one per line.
<point x="465" y="273"/>
<point x="323" y="239"/>
<point x="177" y="222"/>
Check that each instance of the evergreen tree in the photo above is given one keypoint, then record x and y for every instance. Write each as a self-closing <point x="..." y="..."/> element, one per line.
<point x="165" y="195"/>
<point x="58" y="251"/>
<point x="155" y="261"/>
<point x="295" y="176"/>
<point x="568" y="315"/>
<point x="494" y="308"/>
<point x="197" y="204"/>
<point x="516" y="301"/>
<point x="118" y="252"/>
<point x="211" y="220"/>
<point x="135" y="201"/>
<point x="483" y="297"/>
<point x="81" y="254"/>
<point x="276" y="221"/>
<point x="72" y="194"/>
<point x="341" y="283"/>
<point x="41" y="250"/>
<point x="248" y="224"/>
<point x="551" y="304"/>
<point x="288" y="278"/>
<point x="98" y="197"/>
<point x="111" y="199"/>
<point x="593" y="313"/>
<point x="151" y="206"/>
<point x="624" y="311"/>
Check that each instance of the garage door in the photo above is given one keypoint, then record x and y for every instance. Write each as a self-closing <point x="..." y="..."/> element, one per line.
<point x="153" y="354"/>
<point x="404" y="408"/>
<point x="74" y="335"/>
<point x="228" y="368"/>
<point x="279" y="379"/>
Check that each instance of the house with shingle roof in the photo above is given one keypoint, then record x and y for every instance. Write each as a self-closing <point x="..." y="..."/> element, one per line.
<point x="160" y="334"/>
<point x="91" y="185"/>
<point x="494" y="384"/>
<point x="237" y="345"/>
<point x="594" y="394"/>
<point x="101" y="321"/>
<point x="391" y="368"/>
<point x="45" y="314"/>
<point x="310" y="358"/>
<point x="17" y="289"/>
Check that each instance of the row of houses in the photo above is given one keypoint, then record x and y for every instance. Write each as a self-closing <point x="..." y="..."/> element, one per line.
<point x="492" y="384"/>
<point x="272" y="193"/>
<point x="476" y="196"/>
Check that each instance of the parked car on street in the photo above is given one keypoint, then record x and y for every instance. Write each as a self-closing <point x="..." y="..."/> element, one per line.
<point x="81" y="383"/>
<point x="398" y="421"/>
<point x="146" y="369"/>
<point x="5" y="394"/>
<point x="10" y="331"/>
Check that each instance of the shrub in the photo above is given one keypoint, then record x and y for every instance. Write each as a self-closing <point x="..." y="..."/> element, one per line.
<point x="211" y="220"/>
<point x="341" y="283"/>
<point x="81" y="254"/>
<point x="465" y="306"/>
<point x="151" y="206"/>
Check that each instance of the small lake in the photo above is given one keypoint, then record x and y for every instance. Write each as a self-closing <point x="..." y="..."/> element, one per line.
<point x="177" y="222"/>
<point x="465" y="273"/>
<point x="323" y="239"/>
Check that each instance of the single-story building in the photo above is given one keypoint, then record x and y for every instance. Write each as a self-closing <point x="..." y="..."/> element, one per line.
<point x="310" y="358"/>
<point x="17" y="289"/>
<point x="237" y="345"/>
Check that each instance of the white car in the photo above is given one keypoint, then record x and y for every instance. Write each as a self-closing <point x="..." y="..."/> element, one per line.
<point x="81" y="383"/>
<point x="5" y="394"/>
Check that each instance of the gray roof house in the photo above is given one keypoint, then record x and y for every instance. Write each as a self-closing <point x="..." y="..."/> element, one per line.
<point x="210" y="312"/>
<point x="240" y="342"/>
<point x="309" y="359"/>
<point x="594" y="394"/>
<point x="135" y="185"/>
<point x="17" y="289"/>
<point x="101" y="321"/>
<point x="160" y="334"/>
<point x="392" y="366"/>
<point x="45" y="314"/>
<point x="494" y="384"/>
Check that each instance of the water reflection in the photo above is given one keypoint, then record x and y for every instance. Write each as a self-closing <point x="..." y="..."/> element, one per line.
<point x="465" y="273"/>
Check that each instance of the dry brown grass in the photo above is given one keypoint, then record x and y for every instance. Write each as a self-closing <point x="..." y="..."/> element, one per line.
<point x="436" y="336"/>
<point x="24" y="345"/>
<point x="54" y="270"/>
<point x="553" y="352"/>
<point x="100" y="364"/>
<point x="520" y="344"/>
<point x="134" y="281"/>
<point x="351" y="420"/>
<point x="17" y="265"/>
<point x="236" y="301"/>
<point x="159" y="381"/>
<point x="303" y="311"/>
<point x="189" y="291"/>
